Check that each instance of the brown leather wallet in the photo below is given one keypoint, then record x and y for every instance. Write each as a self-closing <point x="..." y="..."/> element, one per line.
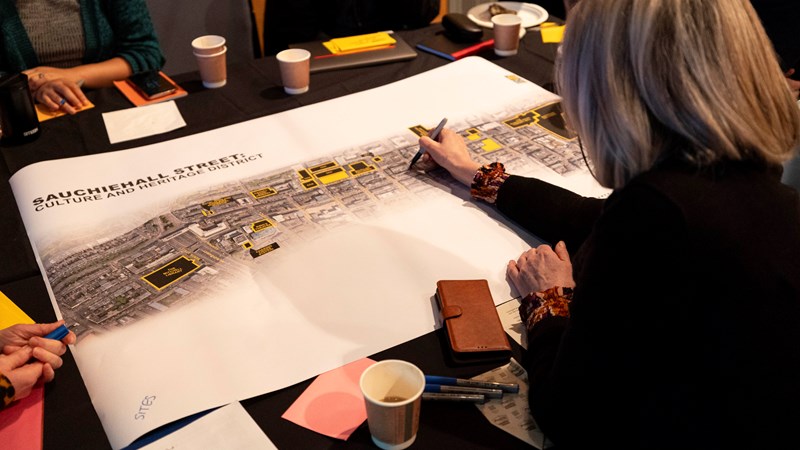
<point x="473" y="327"/>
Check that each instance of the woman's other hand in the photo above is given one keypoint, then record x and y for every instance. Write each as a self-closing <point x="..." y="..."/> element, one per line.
<point x="56" y="88"/>
<point x="23" y="375"/>
<point x="541" y="268"/>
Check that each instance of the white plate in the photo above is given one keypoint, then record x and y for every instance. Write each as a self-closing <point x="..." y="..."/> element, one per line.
<point x="530" y="14"/>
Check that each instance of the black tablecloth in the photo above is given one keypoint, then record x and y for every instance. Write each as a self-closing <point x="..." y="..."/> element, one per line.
<point x="253" y="90"/>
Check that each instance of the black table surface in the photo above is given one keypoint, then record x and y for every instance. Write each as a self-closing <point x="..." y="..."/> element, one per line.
<point x="253" y="90"/>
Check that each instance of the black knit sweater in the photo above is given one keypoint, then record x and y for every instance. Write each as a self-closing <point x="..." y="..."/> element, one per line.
<point x="685" y="323"/>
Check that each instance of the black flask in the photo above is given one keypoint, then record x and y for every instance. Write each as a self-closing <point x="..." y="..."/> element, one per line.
<point x="18" y="120"/>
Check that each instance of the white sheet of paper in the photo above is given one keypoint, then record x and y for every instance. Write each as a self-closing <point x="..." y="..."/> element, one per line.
<point x="227" y="428"/>
<point x="511" y="413"/>
<point x="134" y="123"/>
<point x="509" y="317"/>
<point x="344" y="284"/>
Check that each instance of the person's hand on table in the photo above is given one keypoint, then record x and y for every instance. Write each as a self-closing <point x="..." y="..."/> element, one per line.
<point x="451" y="153"/>
<point x="541" y="268"/>
<point x="56" y="88"/>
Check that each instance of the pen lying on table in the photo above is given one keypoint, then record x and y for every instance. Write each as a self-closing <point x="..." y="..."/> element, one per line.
<point x="450" y="397"/>
<point x="451" y="381"/>
<point x="488" y="393"/>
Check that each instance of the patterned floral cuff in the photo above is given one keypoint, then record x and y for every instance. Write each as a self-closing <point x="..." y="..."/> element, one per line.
<point x="487" y="182"/>
<point x="553" y="302"/>
<point x="6" y="390"/>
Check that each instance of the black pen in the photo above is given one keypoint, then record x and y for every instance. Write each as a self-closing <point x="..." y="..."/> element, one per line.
<point x="433" y="135"/>
<point x="444" y="389"/>
<point x="452" y="397"/>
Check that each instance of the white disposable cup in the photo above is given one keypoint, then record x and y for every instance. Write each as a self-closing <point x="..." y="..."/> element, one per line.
<point x="392" y="392"/>
<point x="207" y="45"/>
<point x="506" y="34"/>
<point x="213" y="69"/>
<point x="295" y="65"/>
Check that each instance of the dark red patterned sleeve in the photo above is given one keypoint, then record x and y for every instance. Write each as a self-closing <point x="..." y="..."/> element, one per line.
<point x="487" y="182"/>
<point x="553" y="302"/>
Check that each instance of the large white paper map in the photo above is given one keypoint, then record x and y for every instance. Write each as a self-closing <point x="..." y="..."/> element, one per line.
<point x="224" y="265"/>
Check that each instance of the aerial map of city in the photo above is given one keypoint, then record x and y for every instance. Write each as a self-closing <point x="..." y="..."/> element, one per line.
<point x="172" y="258"/>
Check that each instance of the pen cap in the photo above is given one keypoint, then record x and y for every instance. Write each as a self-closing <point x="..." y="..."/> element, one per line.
<point x="18" y="120"/>
<point x="392" y="392"/>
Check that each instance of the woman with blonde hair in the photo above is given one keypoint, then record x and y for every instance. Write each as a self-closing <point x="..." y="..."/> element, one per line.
<point x="675" y="322"/>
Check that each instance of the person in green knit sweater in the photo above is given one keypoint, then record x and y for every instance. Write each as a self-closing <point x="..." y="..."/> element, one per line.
<point x="64" y="45"/>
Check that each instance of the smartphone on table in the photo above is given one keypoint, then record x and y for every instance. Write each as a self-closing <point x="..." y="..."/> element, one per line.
<point x="151" y="85"/>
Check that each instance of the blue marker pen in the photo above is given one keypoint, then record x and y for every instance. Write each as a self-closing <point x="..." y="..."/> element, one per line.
<point x="451" y="381"/>
<point x="58" y="334"/>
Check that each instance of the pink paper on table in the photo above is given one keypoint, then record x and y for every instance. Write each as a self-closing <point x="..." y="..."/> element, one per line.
<point x="21" y="424"/>
<point x="332" y="405"/>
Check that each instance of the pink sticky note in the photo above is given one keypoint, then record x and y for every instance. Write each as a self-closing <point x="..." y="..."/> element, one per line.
<point x="22" y="422"/>
<point x="332" y="405"/>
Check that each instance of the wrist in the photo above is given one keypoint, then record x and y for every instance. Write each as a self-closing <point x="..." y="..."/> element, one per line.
<point x="536" y="306"/>
<point x="75" y="75"/>
<point x="465" y="171"/>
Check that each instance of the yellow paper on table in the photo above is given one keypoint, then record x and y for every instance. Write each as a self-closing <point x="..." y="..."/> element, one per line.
<point x="552" y="33"/>
<point x="44" y="113"/>
<point x="21" y="423"/>
<point x="360" y="42"/>
<point x="10" y="314"/>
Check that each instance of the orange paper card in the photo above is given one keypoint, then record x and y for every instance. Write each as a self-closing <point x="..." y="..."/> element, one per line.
<point x="44" y="113"/>
<point x="136" y="98"/>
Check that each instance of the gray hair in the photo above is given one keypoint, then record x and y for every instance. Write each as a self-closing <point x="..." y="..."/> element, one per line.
<point x="643" y="80"/>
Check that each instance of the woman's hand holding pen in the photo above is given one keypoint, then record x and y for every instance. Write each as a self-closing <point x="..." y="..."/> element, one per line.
<point x="28" y="356"/>
<point x="451" y="153"/>
<point x="47" y="351"/>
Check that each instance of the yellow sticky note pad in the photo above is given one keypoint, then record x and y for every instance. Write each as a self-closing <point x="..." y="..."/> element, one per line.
<point x="360" y="42"/>
<point x="10" y="314"/>
<point x="44" y="113"/>
<point x="552" y="33"/>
